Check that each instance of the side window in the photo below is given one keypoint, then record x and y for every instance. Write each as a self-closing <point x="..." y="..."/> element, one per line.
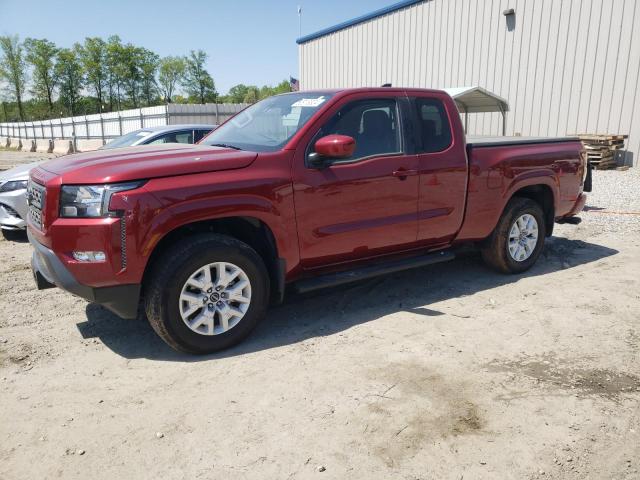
<point x="199" y="134"/>
<point x="173" y="137"/>
<point x="433" y="125"/>
<point x="373" y="124"/>
<point x="185" y="137"/>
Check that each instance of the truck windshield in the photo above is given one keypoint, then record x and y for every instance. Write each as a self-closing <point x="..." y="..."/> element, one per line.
<point x="267" y="125"/>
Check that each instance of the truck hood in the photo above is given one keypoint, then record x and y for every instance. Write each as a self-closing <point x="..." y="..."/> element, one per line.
<point x="146" y="161"/>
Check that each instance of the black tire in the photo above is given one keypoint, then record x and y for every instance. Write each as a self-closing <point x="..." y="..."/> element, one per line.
<point x="14" y="235"/>
<point x="171" y="271"/>
<point x="495" y="251"/>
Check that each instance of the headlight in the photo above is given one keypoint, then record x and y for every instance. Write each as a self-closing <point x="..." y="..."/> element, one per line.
<point x="13" y="186"/>
<point x="81" y="201"/>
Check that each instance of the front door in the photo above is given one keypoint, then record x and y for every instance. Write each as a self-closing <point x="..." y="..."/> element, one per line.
<point x="364" y="205"/>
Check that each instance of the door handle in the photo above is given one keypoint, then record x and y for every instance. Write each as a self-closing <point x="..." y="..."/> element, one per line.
<point x="402" y="173"/>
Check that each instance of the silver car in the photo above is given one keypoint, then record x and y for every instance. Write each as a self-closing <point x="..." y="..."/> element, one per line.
<point x="191" y="133"/>
<point x="13" y="197"/>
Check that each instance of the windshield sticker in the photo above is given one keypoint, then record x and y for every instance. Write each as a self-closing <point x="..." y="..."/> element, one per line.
<point x="309" y="102"/>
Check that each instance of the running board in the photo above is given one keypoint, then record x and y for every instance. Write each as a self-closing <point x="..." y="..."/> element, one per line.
<point x="340" y="278"/>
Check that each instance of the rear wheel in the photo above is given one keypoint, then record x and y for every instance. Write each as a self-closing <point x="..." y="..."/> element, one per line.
<point x="207" y="293"/>
<point x="516" y="243"/>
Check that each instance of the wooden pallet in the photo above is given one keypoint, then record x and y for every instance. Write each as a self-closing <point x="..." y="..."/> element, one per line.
<point x="601" y="139"/>
<point x="614" y="146"/>
<point x="601" y="149"/>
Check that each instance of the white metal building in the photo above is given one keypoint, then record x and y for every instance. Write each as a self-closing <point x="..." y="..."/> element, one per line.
<point x="564" y="66"/>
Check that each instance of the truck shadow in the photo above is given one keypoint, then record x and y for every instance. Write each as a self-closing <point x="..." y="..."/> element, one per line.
<point x="331" y="311"/>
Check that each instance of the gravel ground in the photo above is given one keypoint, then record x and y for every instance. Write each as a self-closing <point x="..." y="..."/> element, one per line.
<point x="614" y="204"/>
<point x="447" y="372"/>
<point x="11" y="158"/>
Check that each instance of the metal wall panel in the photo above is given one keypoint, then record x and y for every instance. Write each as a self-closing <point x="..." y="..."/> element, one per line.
<point x="565" y="66"/>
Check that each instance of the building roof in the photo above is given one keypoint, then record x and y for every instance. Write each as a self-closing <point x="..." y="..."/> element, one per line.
<point x="476" y="99"/>
<point x="355" y="21"/>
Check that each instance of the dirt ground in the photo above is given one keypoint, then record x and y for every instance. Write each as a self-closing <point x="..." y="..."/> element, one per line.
<point x="446" y="372"/>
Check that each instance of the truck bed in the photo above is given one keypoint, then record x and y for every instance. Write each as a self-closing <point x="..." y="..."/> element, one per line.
<point x="476" y="141"/>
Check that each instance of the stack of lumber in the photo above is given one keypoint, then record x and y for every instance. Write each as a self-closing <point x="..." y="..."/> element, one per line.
<point x="601" y="149"/>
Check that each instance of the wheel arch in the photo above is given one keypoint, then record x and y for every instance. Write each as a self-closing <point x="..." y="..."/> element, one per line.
<point x="247" y="229"/>
<point x="542" y="194"/>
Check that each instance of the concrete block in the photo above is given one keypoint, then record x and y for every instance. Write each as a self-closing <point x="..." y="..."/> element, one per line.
<point x="62" y="146"/>
<point x="28" y="145"/>
<point x="44" y="145"/>
<point x="87" y="145"/>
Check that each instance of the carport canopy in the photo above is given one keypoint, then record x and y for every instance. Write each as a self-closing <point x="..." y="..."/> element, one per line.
<point x="476" y="99"/>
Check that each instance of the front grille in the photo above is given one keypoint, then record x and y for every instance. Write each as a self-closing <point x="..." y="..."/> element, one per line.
<point x="36" y="196"/>
<point x="10" y="211"/>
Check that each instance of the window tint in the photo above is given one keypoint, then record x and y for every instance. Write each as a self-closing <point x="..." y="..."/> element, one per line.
<point x="433" y="125"/>
<point x="373" y="124"/>
<point x="174" y="137"/>
<point x="199" y="134"/>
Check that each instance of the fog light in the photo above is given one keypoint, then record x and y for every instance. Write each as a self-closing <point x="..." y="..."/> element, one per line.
<point x="89" y="256"/>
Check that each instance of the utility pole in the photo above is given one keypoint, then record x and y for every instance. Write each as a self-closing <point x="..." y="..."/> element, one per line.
<point x="299" y="21"/>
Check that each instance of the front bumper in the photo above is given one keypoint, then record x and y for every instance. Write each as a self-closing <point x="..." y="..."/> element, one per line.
<point x="13" y="210"/>
<point x="49" y="271"/>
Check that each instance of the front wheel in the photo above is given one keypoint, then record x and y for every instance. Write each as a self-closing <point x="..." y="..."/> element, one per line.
<point x="207" y="293"/>
<point x="516" y="242"/>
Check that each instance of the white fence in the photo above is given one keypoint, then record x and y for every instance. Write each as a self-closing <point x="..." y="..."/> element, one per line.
<point x="105" y="126"/>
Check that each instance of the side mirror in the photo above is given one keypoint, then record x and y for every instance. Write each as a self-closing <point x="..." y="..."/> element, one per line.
<point x="335" y="146"/>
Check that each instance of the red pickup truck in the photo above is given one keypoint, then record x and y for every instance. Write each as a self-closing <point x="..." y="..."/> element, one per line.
<point x="302" y="191"/>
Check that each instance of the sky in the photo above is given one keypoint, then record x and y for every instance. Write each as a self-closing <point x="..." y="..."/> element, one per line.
<point x="248" y="41"/>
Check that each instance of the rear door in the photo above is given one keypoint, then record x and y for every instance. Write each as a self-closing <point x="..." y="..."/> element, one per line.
<point x="364" y="205"/>
<point x="442" y="165"/>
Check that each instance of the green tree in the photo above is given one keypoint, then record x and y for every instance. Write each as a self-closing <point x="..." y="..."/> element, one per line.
<point x="70" y="80"/>
<point x="237" y="93"/>
<point x="283" y="87"/>
<point x="13" y="68"/>
<point x="115" y="71"/>
<point x="171" y="74"/>
<point x="41" y="54"/>
<point x="148" y="64"/>
<point x="197" y="81"/>
<point x="252" y="95"/>
<point x="93" y="58"/>
<point x="132" y="73"/>
<point x="268" y="91"/>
